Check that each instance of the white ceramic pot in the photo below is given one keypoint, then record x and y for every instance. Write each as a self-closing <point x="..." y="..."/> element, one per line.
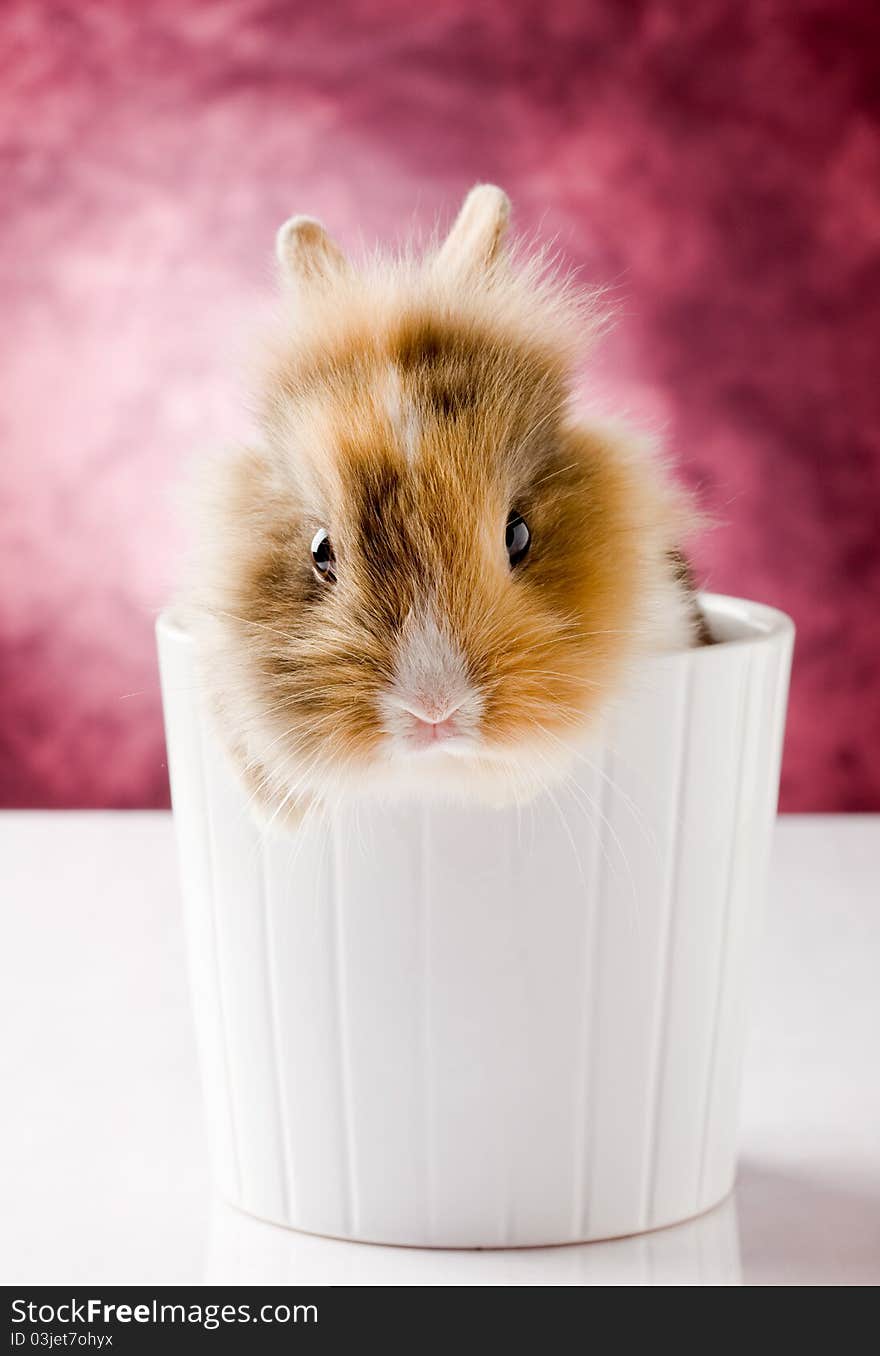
<point x="245" y="1251"/>
<point x="460" y="1027"/>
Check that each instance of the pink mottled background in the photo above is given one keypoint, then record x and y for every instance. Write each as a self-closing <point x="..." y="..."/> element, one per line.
<point x="718" y="162"/>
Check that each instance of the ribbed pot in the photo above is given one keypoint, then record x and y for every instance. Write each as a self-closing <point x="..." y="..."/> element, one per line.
<point x="467" y="1027"/>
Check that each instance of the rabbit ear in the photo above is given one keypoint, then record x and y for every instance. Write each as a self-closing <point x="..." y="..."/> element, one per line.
<point x="477" y="235"/>
<point x="306" y="253"/>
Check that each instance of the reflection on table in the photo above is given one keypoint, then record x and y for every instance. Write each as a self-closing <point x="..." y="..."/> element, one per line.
<point x="246" y="1251"/>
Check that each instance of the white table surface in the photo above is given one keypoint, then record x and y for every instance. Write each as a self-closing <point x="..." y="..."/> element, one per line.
<point x="103" y="1176"/>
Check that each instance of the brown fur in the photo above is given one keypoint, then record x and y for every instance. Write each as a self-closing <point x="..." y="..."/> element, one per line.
<point x="407" y="409"/>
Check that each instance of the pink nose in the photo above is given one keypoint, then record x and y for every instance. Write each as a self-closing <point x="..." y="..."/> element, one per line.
<point x="432" y="722"/>
<point x="436" y="729"/>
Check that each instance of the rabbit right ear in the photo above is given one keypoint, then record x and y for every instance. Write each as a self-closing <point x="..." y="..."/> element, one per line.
<point x="477" y="236"/>
<point x="306" y="252"/>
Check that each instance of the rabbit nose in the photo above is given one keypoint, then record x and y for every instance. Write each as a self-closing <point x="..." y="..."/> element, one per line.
<point x="433" y="722"/>
<point x="434" y="711"/>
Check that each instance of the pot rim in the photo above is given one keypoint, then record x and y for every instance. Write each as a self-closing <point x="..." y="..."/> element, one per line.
<point x="750" y="624"/>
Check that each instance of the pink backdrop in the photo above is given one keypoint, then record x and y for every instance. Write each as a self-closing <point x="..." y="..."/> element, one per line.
<point x="719" y="163"/>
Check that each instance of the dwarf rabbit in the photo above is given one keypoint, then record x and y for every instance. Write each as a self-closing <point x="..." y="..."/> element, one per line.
<point x="430" y="574"/>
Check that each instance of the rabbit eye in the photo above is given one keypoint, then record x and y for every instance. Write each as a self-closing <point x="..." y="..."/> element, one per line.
<point x="517" y="538"/>
<point x="323" y="556"/>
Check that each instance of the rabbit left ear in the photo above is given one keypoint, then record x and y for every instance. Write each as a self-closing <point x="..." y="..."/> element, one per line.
<point x="306" y="252"/>
<point x="477" y="236"/>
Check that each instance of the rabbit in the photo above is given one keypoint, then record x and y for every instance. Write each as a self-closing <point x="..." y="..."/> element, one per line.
<point x="430" y="575"/>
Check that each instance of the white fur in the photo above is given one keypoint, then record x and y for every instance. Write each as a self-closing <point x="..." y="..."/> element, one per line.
<point x="430" y="682"/>
<point x="401" y="414"/>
